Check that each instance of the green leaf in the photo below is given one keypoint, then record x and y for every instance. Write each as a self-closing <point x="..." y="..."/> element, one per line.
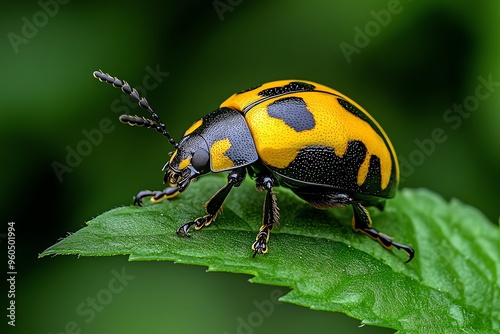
<point x="452" y="284"/>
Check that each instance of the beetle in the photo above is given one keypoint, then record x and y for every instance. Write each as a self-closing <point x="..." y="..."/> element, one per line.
<point x="292" y="133"/>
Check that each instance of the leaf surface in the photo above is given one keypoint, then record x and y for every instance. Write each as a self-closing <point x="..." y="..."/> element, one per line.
<point x="452" y="284"/>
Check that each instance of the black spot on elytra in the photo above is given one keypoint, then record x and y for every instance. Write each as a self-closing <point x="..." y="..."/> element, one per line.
<point x="293" y="111"/>
<point x="352" y="109"/>
<point x="294" y="86"/>
<point x="320" y="165"/>
<point x="360" y="114"/>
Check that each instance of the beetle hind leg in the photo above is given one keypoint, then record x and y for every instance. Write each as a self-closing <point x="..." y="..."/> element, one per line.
<point x="362" y="222"/>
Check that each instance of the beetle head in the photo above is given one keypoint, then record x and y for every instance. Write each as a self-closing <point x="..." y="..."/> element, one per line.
<point x="190" y="160"/>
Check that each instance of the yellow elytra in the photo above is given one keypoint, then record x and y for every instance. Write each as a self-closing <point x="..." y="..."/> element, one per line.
<point x="278" y="142"/>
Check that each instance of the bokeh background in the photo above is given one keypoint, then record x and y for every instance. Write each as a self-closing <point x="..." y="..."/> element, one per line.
<point x="406" y="69"/>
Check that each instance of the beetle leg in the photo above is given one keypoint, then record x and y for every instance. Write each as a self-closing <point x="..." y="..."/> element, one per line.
<point x="214" y="204"/>
<point x="362" y="222"/>
<point x="156" y="196"/>
<point x="270" y="215"/>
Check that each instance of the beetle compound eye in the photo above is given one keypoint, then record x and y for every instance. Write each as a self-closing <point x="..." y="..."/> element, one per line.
<point x="200" y="160"/>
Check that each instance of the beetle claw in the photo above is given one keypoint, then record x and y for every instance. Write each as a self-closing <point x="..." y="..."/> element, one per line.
<point x="259" y="248"/>
<point x="406" y="248"/>
<point x="183" y="230"/>
<point x="260" y="244"/>
<point x="137" y="201"/>
<point x="138" y="198"/>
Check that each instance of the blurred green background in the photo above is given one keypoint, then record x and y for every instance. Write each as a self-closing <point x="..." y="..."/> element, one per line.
<point x="406" y="69"/>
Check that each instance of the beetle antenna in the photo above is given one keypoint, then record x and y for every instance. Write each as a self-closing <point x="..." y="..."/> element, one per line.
<point x="157" y="124"/>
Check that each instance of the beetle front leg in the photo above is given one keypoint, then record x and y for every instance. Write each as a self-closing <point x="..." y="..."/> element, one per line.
<point x="156" y="196"/>
<point x="214" y="204"/>
<point x="362" y="222"/>
<point x="270" y="216"/>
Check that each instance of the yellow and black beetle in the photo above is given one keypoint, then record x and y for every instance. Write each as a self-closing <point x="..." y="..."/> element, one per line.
<point x="292" y="133"/>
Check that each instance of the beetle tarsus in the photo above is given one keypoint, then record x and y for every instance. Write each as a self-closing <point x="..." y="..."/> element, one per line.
<point x="362" y="222"/>
<point x="387" y="241"/>
<point x="201" y="222"/>
<point x="139" y="197"/>
<point x="156" y="196"/>
<point x="260" y="244"/>
<point x="198" y="223"/>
